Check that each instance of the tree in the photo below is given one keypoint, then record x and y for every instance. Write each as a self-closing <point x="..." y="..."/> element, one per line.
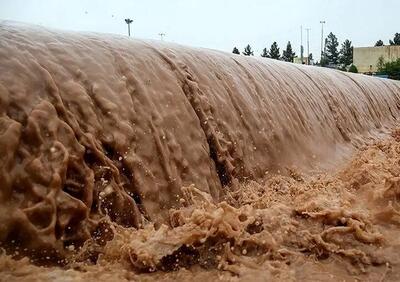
<point x="379" y="43"/>
<point x="288" y="54"/>
<point x="324" y="60"/>
<point x="235" y="51"/>
<point x="392" y="69"/>
<point x="248" y="51"/>
<point x="353" y="68"/>
<point x="346" y="53"/>
<point x="274" y="51"/>
<point x="332" y="54"/>
<point x="380" y="64"/>
<point x="396" y="39"/>
<point x="265" y="53"/>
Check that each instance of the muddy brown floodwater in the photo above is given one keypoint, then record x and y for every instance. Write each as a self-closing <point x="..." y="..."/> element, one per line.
<point x="127" y="159"/>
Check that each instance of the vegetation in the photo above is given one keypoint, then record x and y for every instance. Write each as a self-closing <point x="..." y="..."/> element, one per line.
<point x="346" y="54"/>
<point x="274" y="52"/>
<point x="396" y="39"/>
<point x="331" y="56"/>
<point x="324" y="61"/>
<point x="265" y="53"/>
<point x="288" y="54"/>
<point x="248" y="51"/>
<point x="391" y="69"/>
<point x="381" y="63"/>
<point x="332" y="53"/>
<point x="353" y="69"/>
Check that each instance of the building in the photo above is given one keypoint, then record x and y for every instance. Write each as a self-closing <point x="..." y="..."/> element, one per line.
<point x="366" y="58"/>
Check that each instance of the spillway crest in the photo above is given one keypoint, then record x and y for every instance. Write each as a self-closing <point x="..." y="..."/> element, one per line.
<point x="95" y="126"/>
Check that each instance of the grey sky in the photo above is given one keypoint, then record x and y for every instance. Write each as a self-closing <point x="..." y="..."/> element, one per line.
<point x="218" y="24"/>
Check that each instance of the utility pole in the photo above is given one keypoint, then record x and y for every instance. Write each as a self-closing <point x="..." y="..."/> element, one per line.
<point x="161" y="34"/>
<point x="322" y="39"/>
<point x="308" y="46"/>
<point x="301" y="44"/>
<point x="128" y="22"/>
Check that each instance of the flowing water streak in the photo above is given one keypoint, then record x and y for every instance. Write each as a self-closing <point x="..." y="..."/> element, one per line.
<point x="102" y="125"/>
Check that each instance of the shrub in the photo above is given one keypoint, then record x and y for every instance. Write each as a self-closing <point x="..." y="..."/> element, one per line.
<point x="353" y="68"/>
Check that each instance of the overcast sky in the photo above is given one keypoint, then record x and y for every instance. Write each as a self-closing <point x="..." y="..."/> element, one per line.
<point x="219" y="24"/>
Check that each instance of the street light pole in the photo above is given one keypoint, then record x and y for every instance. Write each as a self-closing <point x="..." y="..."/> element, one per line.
<point x="128" y="22"/>
<point x="308" y="46"/>
<point x="301" y="44"/>
<point x="322" y="38"/>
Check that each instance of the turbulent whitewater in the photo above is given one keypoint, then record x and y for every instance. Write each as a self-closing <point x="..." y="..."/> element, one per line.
<point x="163" y="157"/>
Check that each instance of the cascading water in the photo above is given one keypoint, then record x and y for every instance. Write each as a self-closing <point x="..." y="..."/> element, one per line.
<point x="102" y="129"/>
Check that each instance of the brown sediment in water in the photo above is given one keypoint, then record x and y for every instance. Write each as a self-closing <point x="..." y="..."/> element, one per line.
<point x="325" y="227"/>
<point x="132" y="159"/>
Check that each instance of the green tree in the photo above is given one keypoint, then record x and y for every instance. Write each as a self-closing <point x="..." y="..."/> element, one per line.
<point x="332" y="53"/>
<point x="346" y="54"/>
<point x="265" y="53"/>
<point x="324" y="61"/>
<point x="235" y="51"/>
<point x="392" y="69"/>
<point x="274" y="52"/>
<point x="248" y="51"/>
<point x="353" y="68"/>
<point x="379" y="43"/>
<point x="380" y="64"/>
<point x="288" y="54"/>
<point x="396" y="39"/>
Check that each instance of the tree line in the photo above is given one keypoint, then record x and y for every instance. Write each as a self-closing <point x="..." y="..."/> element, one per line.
<point x="395" y="41"/>
<point x="390" y="69"/>
<point x="273" y="52"/>
<point x="331" y="56"/>
<point x="335" y="58"/>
